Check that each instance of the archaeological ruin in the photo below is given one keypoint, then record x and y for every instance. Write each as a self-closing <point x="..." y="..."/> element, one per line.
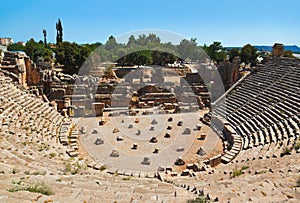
<point x="151" y="134"/>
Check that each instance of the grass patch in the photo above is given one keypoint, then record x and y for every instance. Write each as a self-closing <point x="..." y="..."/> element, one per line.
<point x="74" y="168"/>
<point x="102" y="168"/>
<point x="43" y="147"/>
<point x="39" y="187"/>
<point x="286" y="151"/>
<point x="245" y="168"/>
<point x="35" y="173"/>
<point x="14" y="171"/>
<point x="297" y="146"/>
<point x="298" y="183"/>
<point x="52" y="155"/>
<point x="237" y="172"/>
<point x="199" y="199"/>
<point x="126" y="178"/>
<point x="26" y="128"/>
<point x="39" y="173"/>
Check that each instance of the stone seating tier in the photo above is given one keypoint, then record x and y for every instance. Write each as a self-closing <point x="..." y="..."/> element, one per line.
<point x="265" y="107"/>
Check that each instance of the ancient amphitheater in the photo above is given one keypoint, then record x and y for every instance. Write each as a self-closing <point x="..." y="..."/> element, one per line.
<point x="255" y="157"/>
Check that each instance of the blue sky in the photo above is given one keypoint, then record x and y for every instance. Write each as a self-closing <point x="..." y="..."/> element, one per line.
<point x="233" y="22"/>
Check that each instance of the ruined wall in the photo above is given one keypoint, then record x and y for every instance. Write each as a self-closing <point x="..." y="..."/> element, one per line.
<point x="192" y="78"/>
<point x="32" y="73"/>
<point x="229" y="72"/>
<point x="14" y="62"/>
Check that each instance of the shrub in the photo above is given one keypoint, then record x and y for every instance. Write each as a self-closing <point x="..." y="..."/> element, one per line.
<point x="39" y="187"/>
<point x="286" y="151"/>
<point x="102" y="168"/>
<point x="126" y="178"/>
<point x="74" y="168"/>
<point x="237" y="172"/>
<point x="297" y="146"/>
<point x="52" y="155"/>
<point x="199" y="199"/>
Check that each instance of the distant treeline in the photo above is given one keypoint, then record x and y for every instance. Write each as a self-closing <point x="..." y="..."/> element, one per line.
<point x="141" y="50"/>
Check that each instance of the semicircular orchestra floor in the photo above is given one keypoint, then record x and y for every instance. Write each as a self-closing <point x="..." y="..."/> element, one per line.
<point x="141" y="142"/>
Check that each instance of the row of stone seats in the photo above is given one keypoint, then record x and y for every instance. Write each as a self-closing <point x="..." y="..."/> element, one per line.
<point x="29" y="128"/>
<point x="26" y="115"/>
<point x="265" y="107"/>
<point x="230" y="154"/>
<point x="68" y="136"/>
<point x="274" y="150"/>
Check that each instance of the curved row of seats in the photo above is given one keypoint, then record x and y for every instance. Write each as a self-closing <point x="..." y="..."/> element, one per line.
<point x="29" y="126"/>
<point x="265" y="108"/>
<point x="20" y="110"/>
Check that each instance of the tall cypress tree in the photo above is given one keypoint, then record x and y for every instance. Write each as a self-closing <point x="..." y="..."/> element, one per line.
<point x="59" y="33"/>
<point x="45" y="37"/>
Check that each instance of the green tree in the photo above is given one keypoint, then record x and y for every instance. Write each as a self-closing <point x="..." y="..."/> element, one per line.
<point x="187" y="49"/>
<point x="30" y="47"/>
<point x="148" y="44"/>
<point x="249" y="54"/>
<point x="34" y="50"/>
<point x="66" y="54"/>
<point x="162" y="58"/>
<point x="71" y="56"/>
<point x="141" y="40"/>
<point x="215" y="51"/>
<point x="111" y="46"/>
<point x="16" y="47"/>
<point x="143" y="57"/>
<point x="131" y="42"/>
<point x="121" y="55"/>
<point x="137" y="58"/>
<point x="152" y="41"/>
<point x="233" y="53"/>
<point x="59" y="32"/>
<point x="43" y="53"/>
<point x="111" y="43"/>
